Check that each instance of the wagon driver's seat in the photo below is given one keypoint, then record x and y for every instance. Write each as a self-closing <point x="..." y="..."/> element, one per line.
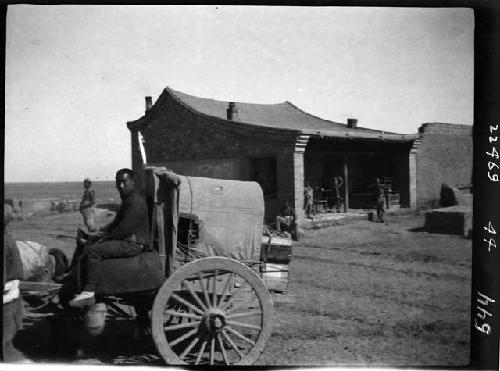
<point x="147" y="271"/>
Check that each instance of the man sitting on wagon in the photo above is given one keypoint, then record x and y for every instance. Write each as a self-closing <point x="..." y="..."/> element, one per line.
<point x="126" y="236"/>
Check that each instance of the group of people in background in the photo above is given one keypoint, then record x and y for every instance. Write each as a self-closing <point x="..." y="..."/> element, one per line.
<point x="287" y="213"/>
<point x="336" y="198"/>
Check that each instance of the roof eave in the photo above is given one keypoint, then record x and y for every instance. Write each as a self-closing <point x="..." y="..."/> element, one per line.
<point x="361" y="135"/>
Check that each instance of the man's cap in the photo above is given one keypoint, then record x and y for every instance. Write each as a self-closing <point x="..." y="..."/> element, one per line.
<point x="87" y="180"/>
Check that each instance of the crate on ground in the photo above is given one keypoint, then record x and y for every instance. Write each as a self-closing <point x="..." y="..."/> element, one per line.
<point x="276" y="254"/>
<point x="276" y="249"/>
<point x="275" y="277"/>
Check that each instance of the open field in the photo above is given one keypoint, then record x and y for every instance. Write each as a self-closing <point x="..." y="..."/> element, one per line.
<point x="67" y="191"/>
<point x="363" y="293"/>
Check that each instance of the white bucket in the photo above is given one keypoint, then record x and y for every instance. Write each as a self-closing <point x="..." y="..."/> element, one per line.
<point x="95" y="318"/>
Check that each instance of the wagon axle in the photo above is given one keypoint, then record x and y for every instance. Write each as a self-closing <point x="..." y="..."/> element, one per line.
<point x="214" y="320"/>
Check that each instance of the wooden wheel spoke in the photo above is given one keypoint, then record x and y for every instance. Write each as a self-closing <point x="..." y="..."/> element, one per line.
<point x="244" y="314"/>
<point x="239" y="316"/>
<point x="223" y="350"/>
<point x="196" y="297"/>
<point x="212" y="351"/>
<point x="244" y="325"/>
<point x="188" y="349"/>
<point x="207" y="289"/>
<point x="183" y="337"/>
<point x="182" y="314"/>
<point x="231" y="342"/>
<point x="200" y="353"/>
<point x="182" y="325"/>
<point x="187" y="304"/>
<point x="200" y="277"/>
<point x="214" y="303"/>
<point x="246" y="304"/>
<point x="233" y="295"/>
<point x="240" y="335"/>
<point x="226" y="286"/>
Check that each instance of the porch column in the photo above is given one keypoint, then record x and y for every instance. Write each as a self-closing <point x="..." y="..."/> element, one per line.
<point x="346" y="183"/>
<point x="412" y="173"/>
<point x="412" y="167"/>
<point x="298" y="177"/>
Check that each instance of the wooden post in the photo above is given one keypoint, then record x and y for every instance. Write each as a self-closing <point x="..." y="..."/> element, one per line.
<point x="158" y="222"/>
<point x="171" y="230"/>
<point x="162" y="248"/>
<point x="137" y="160"/>
<point x="346" y="184"/>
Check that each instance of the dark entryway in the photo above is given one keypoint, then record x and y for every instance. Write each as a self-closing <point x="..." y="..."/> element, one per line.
<point x="359" y="163"/>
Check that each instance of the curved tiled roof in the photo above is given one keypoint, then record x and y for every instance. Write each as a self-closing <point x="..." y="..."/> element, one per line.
<point x="280" y="115"/>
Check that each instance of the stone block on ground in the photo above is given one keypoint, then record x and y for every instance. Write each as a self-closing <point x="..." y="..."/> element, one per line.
<point x="451" y="220"/>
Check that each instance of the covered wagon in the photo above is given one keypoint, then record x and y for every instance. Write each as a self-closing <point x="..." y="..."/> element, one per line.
<point x="199" y="286"/>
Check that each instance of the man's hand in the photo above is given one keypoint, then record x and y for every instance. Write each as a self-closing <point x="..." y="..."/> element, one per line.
<point x="95" y="236"/>
<point x="11" y="291"/>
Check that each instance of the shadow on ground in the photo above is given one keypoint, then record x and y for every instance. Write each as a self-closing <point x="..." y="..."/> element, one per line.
<point x="417" y="229"/>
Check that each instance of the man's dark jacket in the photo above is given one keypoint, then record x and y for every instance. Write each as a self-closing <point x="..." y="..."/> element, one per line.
<point x="131" y="221"/>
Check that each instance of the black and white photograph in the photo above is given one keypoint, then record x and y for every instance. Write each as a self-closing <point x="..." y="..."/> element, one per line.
<point x="244" y="185"/>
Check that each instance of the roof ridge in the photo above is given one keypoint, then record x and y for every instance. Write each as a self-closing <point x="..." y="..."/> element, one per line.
<point x="173" y="94"/>
<point x="310" y="114"/>
<point x="222" y="101"/>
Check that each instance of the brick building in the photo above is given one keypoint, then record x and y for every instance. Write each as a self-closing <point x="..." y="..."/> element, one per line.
<point x="281" y="147"/>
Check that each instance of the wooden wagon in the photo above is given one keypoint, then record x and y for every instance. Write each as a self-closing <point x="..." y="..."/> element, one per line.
<point x="199" y="287"/>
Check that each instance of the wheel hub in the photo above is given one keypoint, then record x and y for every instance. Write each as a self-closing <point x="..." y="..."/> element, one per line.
<point x="214" y="320"/>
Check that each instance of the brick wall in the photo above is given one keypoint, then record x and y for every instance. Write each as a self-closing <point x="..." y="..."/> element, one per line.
<point x="193" y="144"/>
<point x="443" y="156"/>
<point x="211" y="168"/>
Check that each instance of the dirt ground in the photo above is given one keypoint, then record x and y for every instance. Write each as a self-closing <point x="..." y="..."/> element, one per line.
<point x="363" y="293"/>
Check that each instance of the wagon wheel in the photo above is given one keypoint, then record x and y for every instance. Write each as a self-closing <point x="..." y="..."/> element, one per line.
<point x="212" y="311"/>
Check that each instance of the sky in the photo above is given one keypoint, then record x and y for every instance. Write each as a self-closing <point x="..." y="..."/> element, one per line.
<point x="76" y="74"/>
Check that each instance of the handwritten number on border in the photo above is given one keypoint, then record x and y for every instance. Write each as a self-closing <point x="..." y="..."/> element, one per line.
<point x="493" y="176"/>
<point x="483" y="314"/>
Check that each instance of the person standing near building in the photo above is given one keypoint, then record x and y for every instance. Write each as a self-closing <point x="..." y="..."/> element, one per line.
<point x="87" y="205"/>
<point x="380" y="200"/>
<point x="308" y="200"/>
<point x="338" y="182"/>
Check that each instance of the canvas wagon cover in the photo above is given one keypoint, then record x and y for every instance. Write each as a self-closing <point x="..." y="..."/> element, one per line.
<point x="229" y="214"/>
